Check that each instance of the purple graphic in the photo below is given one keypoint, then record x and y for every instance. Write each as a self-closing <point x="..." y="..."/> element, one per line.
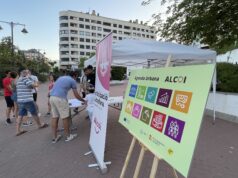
<point x="164" y="97"/>
<point x="174" y="128"/>
<point x="136" y="110"/>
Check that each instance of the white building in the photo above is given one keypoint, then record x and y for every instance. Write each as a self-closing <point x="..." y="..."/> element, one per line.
<point x="79" y="32"/>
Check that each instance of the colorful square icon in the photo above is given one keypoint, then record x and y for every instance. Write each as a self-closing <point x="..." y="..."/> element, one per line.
<point x="181" y="101"/>
<point x="133" y="89"/>
<point x="136" y="110"/>
<point x="158" y="121"/>
<point x="164" y="97"/>
<point x="146" y="115"/>
<point x="129" y="106"/>
<point x="174" y="128"/>
<point x="141" y="92"/>
<point x="151" y="94"/>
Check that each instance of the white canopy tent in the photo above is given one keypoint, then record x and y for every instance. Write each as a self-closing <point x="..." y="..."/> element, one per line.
<point x="131" y="52"/>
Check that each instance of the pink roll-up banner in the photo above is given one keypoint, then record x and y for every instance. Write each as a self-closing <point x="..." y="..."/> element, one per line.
<point x="100" y="113"/>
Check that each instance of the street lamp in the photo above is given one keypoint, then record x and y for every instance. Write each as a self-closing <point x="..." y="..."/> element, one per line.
<point x="12" y="24"/>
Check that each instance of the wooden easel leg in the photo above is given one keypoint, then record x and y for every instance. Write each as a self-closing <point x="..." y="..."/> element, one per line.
<point x="141" y="156"/>
<point x="128" y="157"/>
<point x="175" y="173"/>
<point x="154" y="167"/>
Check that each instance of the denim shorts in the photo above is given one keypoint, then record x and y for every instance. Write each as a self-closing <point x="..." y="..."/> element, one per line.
<point x="28" y="106"/>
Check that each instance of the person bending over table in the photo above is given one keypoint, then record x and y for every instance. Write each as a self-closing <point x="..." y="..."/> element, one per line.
<point x="60" y="106"/>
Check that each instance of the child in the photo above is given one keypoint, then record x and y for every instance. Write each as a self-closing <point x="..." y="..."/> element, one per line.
<point x="90" y="102"/>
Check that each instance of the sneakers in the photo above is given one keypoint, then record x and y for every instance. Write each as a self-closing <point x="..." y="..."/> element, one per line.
<point x="71" y="137"/>
<point x="8" y="121"/>
<point x="47" y="114"/>
<point x="55" y="140"/>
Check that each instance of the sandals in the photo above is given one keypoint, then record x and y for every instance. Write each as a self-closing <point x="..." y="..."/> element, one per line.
<point x="43" y="126"/>
<point x="20" y="133"/>
<point x="55" y="140"/>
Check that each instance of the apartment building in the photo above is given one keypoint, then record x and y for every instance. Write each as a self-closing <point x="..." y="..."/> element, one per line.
<point x="79" y="33"/>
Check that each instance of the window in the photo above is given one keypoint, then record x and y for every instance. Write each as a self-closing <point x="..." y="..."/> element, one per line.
<point x="87" y="33"/>
<point x="152" y="31"/>
<point x="106" y="30"/>
<point x="81" y="26"/>
<point x="94" y="34"/>
<point x="87" y="40"/>
<point x="94" y="47"/>
<point x="81" y="46"/>
<point x="82" y="53"/>
<point x="64" y="59"/>
<point x="93" y="28"/>
<point x="134" y="34"/>
<point x="138" y="34"/>
<point x="73" y="18"/>
<point x="81" y="39"/>
<point x="138" y="29"/>
<point x="74" y="39"/>
<point x="134" y="28"/>
<point x="94" y="41"/>
<point x="73" y="31"/>
<point x="114" y="25"/>
<point x="107" y="24"/>
<point x="147" y="30"/>
<point x="127" y="33"/>
<point x="81" y="33"/>
<point x="64" y="39"/>
<point x="120" y="26"/>
<point x="99" y="22"/>
<point x="114" y="37"/>
<point x="86" y="20"/>
<point x="99" y="28"/>
<point x="74" y="52"/>
<point x="73" y="25"/>
<point x="152" y="37"/>
<point x="127" y="27"/>
<point x="64" y="46"/>
<point x="74" y="46"/>
<point x="64" y="32"/>
<point x="87" y="26"/>
<point x="81" y="19"/>
<point x="120" y="32"/>
<point x="64" y="25"/>
<point x="63" y="17"/>
<point x="142" y="30"/>
<point x="147" y="36"/>
<point x="64" y="52"/>
<point x="143" y="35"/>
<point x="93" y="21"/>
<point x="120" y="38"/>
<point x="114" y="31"/>
<point x="99" y="35"/>
<point x="88" y="53"/>
<point x="87" y="47"/>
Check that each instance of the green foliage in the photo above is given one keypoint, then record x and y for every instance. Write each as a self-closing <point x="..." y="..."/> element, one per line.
<point x="118" y="73"/>
<point x="209" y="22"/>
<point x="81" y="62"/>
<point x="227" y="77"/>
<point x="13" y="62"/>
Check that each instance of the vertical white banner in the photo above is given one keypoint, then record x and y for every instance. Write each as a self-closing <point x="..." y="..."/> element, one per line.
<point x="99" y="122"/>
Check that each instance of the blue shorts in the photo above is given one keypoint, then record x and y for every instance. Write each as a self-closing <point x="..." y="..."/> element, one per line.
<point x="28" y="106"/>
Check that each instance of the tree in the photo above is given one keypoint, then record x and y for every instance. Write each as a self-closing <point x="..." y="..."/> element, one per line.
<point x="211" y="22"/>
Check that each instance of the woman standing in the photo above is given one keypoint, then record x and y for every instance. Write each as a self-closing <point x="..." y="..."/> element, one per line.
<point x="50" y="86"/>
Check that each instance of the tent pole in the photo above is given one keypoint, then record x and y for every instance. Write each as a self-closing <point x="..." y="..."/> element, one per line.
<point x="214" y="94"/>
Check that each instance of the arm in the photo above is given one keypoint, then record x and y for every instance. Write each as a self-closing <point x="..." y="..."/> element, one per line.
<point x="76" y="94"/>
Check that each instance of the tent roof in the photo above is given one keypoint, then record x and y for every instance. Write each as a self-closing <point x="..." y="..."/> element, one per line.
<point x="131" y="52"/>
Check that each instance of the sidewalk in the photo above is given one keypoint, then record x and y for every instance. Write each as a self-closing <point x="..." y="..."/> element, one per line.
<point x="32" y="155"/>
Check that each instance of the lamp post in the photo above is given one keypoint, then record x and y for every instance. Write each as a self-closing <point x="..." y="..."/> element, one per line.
<point x="12" y="24"/>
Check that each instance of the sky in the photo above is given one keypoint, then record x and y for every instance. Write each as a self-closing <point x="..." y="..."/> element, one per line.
<point x="41" y="18"/>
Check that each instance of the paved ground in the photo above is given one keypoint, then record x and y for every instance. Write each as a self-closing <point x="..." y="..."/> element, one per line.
<point x="32" y="155"/>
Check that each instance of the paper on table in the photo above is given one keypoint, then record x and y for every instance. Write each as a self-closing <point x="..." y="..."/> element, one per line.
<point x="73" y="103"/>
<point x="115" y="100"/>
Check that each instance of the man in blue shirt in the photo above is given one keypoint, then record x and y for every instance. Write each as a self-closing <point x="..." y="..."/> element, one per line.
<point x="60" y="106"/>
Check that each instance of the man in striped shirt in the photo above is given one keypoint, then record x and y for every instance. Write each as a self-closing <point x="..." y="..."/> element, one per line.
<point x="25" y="101"/>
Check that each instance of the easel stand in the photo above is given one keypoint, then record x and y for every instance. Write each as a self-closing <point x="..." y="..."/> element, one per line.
<point x="139" y="162"/>
<point x="142" y="152"/>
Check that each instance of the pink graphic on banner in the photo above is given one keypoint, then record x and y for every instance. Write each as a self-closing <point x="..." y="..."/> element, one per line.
<point x="104" y="60"/>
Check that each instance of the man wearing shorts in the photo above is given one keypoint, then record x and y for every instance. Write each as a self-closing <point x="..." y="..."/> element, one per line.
<point x="60" y="106"/>
<point x="25" y="101"/>
<point x="7" y="94"/>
